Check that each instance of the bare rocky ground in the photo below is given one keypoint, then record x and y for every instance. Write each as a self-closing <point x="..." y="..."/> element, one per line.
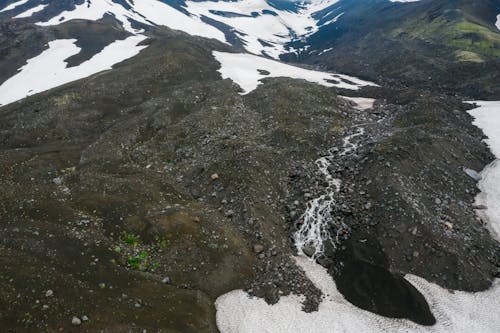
<point x="134" y="198"/>
<point x="406" y="205"/>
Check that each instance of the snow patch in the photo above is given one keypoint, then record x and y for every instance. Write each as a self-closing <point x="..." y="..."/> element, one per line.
<point x="361" y="103"/>
<point x="262" y="28"/>
<point x="255" y="23"/>
<point x="14" y="5"/>
<point x="458" y="312"/>
<point x="497" y="23"/>
<point x="148" y="12"/>
<point x="487" y="118"/>
<point x="31" y="11"/>
<point x="49" y="69"/>
<point x="333" y="20"/>
<point x="247" y="70"/>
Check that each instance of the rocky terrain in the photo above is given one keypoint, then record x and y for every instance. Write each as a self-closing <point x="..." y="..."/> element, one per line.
<point x="132" y="199"/>
<point x="126" y="199"/>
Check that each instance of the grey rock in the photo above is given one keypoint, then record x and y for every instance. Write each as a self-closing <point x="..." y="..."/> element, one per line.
<point x="75" y="321"/>
<point x="308" y="250"/>
<point x="473" y="174"/>
<point x="258" y="248"/>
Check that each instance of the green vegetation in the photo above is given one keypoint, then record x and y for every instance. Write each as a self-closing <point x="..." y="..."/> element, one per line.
<point x="476" y="38"/>
<point x="471" y="39"/>
<point x="139" y="255"/>
<point x="141" y="261"/>
<point x="468" y="56"/>
<point x="130" y="239"/>
<point x="66" y="99"/>
<point x="161" y="243"/>
<point x="137" y="261"/>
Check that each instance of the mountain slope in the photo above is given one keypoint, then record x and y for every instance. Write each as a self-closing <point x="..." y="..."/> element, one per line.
<point x="446" y="45"/>
<point x="177" y="168"/>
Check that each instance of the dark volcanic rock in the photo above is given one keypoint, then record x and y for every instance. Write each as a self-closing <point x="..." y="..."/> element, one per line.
<point x="365" y="281"/>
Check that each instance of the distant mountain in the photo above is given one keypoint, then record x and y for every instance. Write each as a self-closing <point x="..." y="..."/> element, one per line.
<point x="259" y="26"/>
<point x="445" y="44"/>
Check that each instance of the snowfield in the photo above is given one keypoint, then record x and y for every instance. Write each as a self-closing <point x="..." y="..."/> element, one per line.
<point x="361" y="103"/>
<point x="261" y="28"/>
<point x="257" y="21"/>
<point x="31" y="11"/>
<point x="14" y="5"/>
<point x="247" y="70"/>
<point x="487" y="118"/>
<point x="49" y="69"/>
<point x="148" y="12"/>
<point x="457" y="312"/>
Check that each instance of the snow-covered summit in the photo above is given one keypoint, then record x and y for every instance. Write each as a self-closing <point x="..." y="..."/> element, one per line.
<point x="259" y="26"/>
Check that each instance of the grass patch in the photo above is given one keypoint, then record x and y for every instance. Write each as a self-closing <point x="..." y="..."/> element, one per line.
<point x="463" y="35"/>
<point x="66" y="99"/>
<point x="142" y="261"/>
<point x="130" y="239"/>
<point x="468" y="56"/>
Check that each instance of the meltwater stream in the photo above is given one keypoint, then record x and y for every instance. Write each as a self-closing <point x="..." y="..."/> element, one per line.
<point x="314" y="231"/>
<point x="456" y="311"/>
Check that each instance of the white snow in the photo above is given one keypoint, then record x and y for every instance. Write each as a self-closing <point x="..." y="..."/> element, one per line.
<point x="333" y="20"/>
<point x="361" y="103"/>
<point x="326" y="50"/>
<point x="497" y="23"/>
<point x="49" y="69"/>
<point x="14" y="5"/>
<point x="457" y="312"/>
<point x="404" y="0"/>
<point x="31" y="11"/>
<point x="487" y="118"/>
<point x="243" y="69"/>
<point x="273" y="30"/>
<point x="149" y="12"/>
